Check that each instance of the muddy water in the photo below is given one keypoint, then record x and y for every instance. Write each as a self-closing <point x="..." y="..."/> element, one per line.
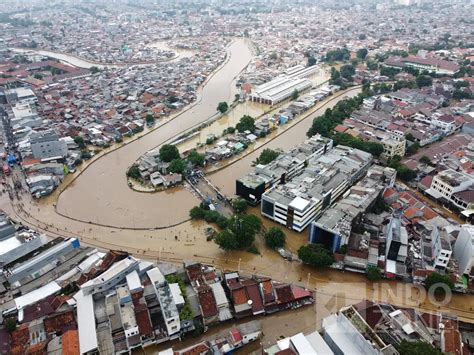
<point x="246" y="108"/>
<point x="187" y="242"/>
<point x="225" y="178"/>
<point x="101" y="194"/>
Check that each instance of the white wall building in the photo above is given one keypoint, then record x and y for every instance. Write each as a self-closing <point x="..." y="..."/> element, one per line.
<point x="448" y="182"/>
<point x="464" y="249"/>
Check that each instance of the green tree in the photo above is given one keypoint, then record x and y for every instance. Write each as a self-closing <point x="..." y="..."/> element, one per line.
<point x="294" y="94"/>
<point x="275" y="238"/>
<point x="347" y="71"/>
<point x="311" y="61"/>
<point x="437" y="278"/>
<point x="246" y="123"/>
<point x="425" y="160"/>
<point x="222" y="107"/>
<point x="339" y="54"/>
<point x="239" y="205"/>
<point x="94" y="70"/>
<point x="372" y="65"/>
<point x="80" y="142"/>
<point x="177" y="166"/>
<point x="38" y="76"/>
<point x="267" y="156"/>
<point x="389" y="71"/>
<point x="423" y="80"/>
<point x="335" y="74"/>
<point x="362" y="53"/>
<point x="196" y="212"/>
<point x="150" y="119"/>
<point x="374" y="273"/>
<point x="315" y="255"/>
<point x="343" y="249"/>
<point x="133" y="172"/>
<point x="226" y="240"/>
<point x="196" y="158"/>
<point x="10" y="325"/>
<point x="417" y="348"/>
<point x="169" y="152"/>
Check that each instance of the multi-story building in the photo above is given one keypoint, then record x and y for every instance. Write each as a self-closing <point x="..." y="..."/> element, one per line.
<point x="334" y="226"/>
<point x="393" y="146"/>
<point x="436" y="249"/>
<point x="449" y="182"/>
<point x="47" y="145"/>
<point x="111" y="277"/>
<point x="464" y="250"/>
<point x="435" y="65"/>
<point x="325" y="178"/>
<point x="169" y="310"/>
<point x="286" y="166"/>
<point x="396" y="249"/>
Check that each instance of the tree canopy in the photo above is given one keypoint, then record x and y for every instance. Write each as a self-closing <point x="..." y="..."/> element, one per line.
<point x="239" y="205"/>
<point x="169" y="152"/>
<point x="177" y="166"/>
<point x="437" y="278"/>
<point x="374" y="273"/>
<point x="267" y="156"/>
<point x="315" y="255"/>
<point x="275" y="238"/>
<point x="240" y="232"/>
<point x="424" y="80"/>
<point x="222" y="107"/>
<point x="417" y="348"/>
<point x="347" y="71"/>
<point x="196" y="158"/>
<point x="338" y="54"/>
<point x="362" y="53"/>
<point x="246" y="123"/>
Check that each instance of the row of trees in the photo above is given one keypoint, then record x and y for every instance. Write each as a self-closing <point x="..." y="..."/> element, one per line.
<point x="325" y="124"/>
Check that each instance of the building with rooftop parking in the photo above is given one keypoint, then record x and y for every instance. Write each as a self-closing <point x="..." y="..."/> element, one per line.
<point x="323" y="180"/>
<point x="286" y="166"/>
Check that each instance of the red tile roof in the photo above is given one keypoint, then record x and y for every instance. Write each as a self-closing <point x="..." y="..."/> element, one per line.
<point x="207" y="302"/>
<point x="239" y="296"/>
<point x="70" y="341"/>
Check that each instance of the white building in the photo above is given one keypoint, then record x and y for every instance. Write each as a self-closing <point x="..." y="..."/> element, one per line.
<point x="324" y="179"/>
<point x="439" y="251"/>
<point x="464" y="249"/>
<point x="111" y="277"/>
<point x="449" y="182"/>
<point x="283" y="86"/>
<point x="169" y="311"/>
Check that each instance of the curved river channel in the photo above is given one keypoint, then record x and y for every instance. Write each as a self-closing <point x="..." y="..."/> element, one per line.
<point x="101" y="195"/>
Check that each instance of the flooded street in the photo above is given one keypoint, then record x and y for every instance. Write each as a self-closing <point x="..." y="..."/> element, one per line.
<point x="102" y="211"/>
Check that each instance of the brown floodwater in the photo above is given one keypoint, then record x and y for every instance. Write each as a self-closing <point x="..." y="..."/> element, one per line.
<point x="101" y="195"/>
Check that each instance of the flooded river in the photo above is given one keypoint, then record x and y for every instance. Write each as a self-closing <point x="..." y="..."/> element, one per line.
<point x="101" y="194"/>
